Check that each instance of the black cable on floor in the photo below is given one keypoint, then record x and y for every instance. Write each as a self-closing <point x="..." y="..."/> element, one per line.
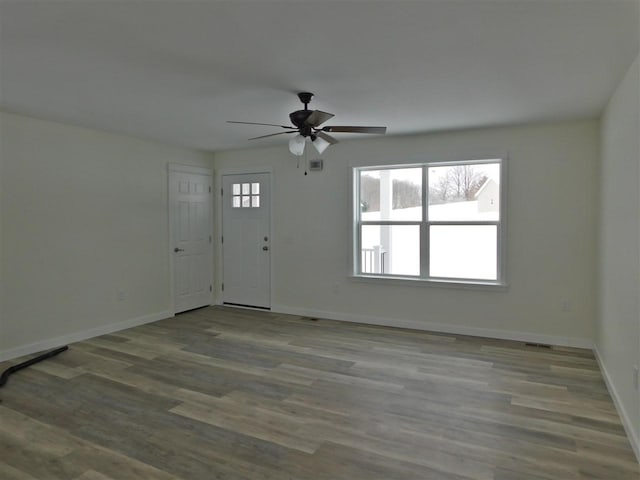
<point x="5" y="375"/>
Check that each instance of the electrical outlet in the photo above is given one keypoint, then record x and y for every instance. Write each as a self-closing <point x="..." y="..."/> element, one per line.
<point x="565" y="305"/>
<point x="121" y="295"/>
<point x="635" y="377"/>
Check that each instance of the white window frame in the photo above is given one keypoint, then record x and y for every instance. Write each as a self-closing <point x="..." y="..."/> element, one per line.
<point x="424" y="225"/>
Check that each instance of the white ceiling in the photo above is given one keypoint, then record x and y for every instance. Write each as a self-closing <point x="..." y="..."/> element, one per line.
<point x="176" y="70"/>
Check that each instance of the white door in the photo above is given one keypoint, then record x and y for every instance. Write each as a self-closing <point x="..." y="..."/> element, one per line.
<point x="191" y="245"/>
<point x="246" y="240"/>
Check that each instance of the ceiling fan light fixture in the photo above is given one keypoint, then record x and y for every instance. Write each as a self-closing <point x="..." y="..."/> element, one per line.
<point x="296" y="145"/>
<point x="320" y="144"/>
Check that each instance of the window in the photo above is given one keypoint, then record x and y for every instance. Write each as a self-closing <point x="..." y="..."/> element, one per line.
<point x="432" y="221"/>
<point x="245" y="195"/>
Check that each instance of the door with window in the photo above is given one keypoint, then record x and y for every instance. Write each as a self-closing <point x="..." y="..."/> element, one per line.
<point x="191" y="241"/>
<point x="246" y="242"/>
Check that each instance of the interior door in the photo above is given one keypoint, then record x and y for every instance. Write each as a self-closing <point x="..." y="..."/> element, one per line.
<point x="246" y="240"/>
<point x="191" y="245"/>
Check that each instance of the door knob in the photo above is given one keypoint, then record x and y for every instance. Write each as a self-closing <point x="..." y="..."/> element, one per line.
<point x="265" y="248"/>
<point x="178" y="249"/>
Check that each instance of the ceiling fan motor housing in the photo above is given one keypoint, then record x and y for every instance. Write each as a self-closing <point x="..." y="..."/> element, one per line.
<point x="299" y="117"/>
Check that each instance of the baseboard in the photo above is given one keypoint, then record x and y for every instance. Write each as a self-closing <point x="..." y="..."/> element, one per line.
<point x="439" y="327"/>
<point x="82" y="335"/>
<point x="626" y="422"/>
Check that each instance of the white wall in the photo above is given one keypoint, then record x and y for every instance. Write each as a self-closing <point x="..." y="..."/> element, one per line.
<point x="618" y="325"/>
<point x="551" y="234"/>
<point x="83" y="216"/>
<point x="1" y="230"/>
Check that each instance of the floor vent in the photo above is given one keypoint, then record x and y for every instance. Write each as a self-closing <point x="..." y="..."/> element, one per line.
<point x="539" y="345"/>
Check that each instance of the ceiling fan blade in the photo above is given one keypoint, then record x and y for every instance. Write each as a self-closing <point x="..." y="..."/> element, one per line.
<point x="317" y="118"/>
<point x="273" y="134"/>
<point x="269" y="124"/>
<point x="327" y="138"/>
<point x="345" y="129"/>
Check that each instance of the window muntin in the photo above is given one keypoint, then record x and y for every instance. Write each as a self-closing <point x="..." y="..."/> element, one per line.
<point x="245" y="195"/>
<point x="451" y="231"/>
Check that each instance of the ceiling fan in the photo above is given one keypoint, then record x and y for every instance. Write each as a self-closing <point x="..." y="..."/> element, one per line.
<point x="306" y="123"/>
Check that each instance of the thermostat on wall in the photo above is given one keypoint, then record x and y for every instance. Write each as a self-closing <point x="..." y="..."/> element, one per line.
<point x="315" y="165"/>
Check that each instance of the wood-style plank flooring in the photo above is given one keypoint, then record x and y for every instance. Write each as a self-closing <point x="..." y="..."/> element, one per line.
<point x="222" y="393"/>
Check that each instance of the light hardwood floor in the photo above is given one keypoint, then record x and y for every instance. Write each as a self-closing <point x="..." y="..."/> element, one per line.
<point x="233" y="394"/>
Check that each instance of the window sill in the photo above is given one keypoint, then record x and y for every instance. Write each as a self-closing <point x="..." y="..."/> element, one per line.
<point x="422" y="282"/>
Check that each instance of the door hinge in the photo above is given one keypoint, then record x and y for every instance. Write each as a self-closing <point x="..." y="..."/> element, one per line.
<point x="221" y="191"/>
<point x="222" y="287"/>
<point x="209" y="188"/>
<point x="211" y="288"/>
<point x="222" y="239"/>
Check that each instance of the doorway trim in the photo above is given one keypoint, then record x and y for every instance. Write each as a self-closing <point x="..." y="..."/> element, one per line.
<point x="218" y="262"/>
<point x="178" y="168"/>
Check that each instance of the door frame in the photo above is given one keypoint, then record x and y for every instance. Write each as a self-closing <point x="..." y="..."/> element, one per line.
<point x="178" y="168"/>
<point x="218" y="262"/>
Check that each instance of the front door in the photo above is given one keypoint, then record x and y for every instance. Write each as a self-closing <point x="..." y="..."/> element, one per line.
<point x="246" y="240"/>
<point x="191" y="246"/>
